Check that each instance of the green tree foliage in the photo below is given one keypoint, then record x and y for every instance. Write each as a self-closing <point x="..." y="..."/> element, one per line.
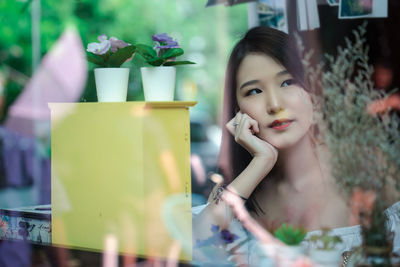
<point x="207" y="34"/>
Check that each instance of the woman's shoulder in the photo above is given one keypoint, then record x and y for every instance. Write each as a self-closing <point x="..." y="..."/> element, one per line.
<point x="197" y="209"/>
<point x="393" y="224"/>
<point x="235" y="227"/>
<point x="394" y="211"/>
<point x="393" y="215"/>
<point x="350" y="235"/>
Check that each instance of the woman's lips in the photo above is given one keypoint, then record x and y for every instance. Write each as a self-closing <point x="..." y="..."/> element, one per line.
<point x="280" y="124"/>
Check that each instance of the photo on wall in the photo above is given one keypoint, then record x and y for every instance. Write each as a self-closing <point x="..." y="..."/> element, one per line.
<point x="353" y="9"/>
<point x="227" y="2"/>
<point x="333" y="2"/>
<point x="272" y="13"/>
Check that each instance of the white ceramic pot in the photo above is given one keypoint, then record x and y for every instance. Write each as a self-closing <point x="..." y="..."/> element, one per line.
<point x="111" y="84"/>
<point x="158" y="83"/>
<point x="328" y="258"/>
<point x="287" y="255"/>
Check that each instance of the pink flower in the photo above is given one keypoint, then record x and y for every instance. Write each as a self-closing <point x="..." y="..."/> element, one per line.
<point x="117" y="44"/>
<point x="383" y="105"/>
<point x="106" y="54"/>
<point x="99" y="48"/>
<point x="362" y="203"/>
<point x="102" y="38"/>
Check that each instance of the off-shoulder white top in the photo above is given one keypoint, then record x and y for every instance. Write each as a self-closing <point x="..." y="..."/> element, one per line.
<point x="350" y="235"/>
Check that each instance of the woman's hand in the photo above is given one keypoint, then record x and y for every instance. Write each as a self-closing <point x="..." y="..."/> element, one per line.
<point x="244" y="128"/>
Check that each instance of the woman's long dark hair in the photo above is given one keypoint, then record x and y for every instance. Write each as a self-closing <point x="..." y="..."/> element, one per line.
<point x="233" y="158"/>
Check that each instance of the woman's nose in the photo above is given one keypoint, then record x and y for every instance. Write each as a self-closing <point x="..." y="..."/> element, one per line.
<point x="273" y="102"/>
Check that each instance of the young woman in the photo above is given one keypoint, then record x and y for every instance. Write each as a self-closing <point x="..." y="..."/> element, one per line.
<point x="270" y="156"/>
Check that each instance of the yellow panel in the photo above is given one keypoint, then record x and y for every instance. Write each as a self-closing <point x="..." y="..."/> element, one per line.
<point x="122" y="169"/>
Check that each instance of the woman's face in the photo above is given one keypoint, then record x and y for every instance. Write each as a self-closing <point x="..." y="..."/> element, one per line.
<point x="269" y="94"/>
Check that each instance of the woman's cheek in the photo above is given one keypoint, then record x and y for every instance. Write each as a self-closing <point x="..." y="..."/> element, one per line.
<point x="301" y="100"/>
<point x="305" y="97"/>
<point x="250" y="110"/>
<point x="308" y="106"/>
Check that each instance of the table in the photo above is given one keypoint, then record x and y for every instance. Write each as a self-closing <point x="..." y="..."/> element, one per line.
<point x="31" y="224"/>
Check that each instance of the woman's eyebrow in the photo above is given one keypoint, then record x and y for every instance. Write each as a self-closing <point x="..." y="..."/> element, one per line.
<point x="282" y="73"/>
<point x="248" y="83"/>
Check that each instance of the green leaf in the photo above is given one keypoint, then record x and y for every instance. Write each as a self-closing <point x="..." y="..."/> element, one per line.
<point x="120" y="56"/>
<point x="146" y="51"/>
<point x="290" y="235"/>
<point x="325" y="241"/>
<point x="173" y="52"/>
<point x="174" y="63"/>
<point x="96" y="59"/>
<point x="155" y="61"/>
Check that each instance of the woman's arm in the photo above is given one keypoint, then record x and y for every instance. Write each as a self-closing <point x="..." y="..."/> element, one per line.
<point x="265" y="155"/>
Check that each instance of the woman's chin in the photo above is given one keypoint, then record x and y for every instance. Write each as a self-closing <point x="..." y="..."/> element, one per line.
<point x="282" y="144"/>
<point x="286" y="141"/>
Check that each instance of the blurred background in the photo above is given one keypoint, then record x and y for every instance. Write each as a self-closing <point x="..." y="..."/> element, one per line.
<point x="29" y="30"/>
<point x="206" y="30"/>
<point x="40" y="37"/>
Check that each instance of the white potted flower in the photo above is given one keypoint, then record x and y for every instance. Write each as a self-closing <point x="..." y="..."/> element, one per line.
<point x="111" y="79"/>
<point x="324" y="251"/>
<point x="159" y="80"/>
<point x="292" y="236"/>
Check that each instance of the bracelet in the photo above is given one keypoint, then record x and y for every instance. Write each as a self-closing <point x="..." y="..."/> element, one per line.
<point x="243" y="198"/>
<point x="218" y="192"/>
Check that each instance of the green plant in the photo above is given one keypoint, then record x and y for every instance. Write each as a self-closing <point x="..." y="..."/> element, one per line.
<point x="325" y="241"/>
<point x="109" y="53"/>
<point x="163" y="53"/>
<point x="290" y="235"/>
<point x="364" y="147"/>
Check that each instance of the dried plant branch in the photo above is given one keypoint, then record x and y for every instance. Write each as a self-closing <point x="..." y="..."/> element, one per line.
<point x="364" y="148"/>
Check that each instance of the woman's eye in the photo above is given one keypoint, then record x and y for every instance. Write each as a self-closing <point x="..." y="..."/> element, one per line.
<point x="288" y="82"/>
<point x="253" y="92"/>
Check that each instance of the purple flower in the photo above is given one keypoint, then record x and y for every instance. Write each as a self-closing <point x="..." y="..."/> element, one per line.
<point x="117" y="44"/>
<point x="163" y="41"/>
<point x="217" y="238"/>
<point x="161" y="38"/>
<point x="214" y="228"/>
<point x="227" y="237"/>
